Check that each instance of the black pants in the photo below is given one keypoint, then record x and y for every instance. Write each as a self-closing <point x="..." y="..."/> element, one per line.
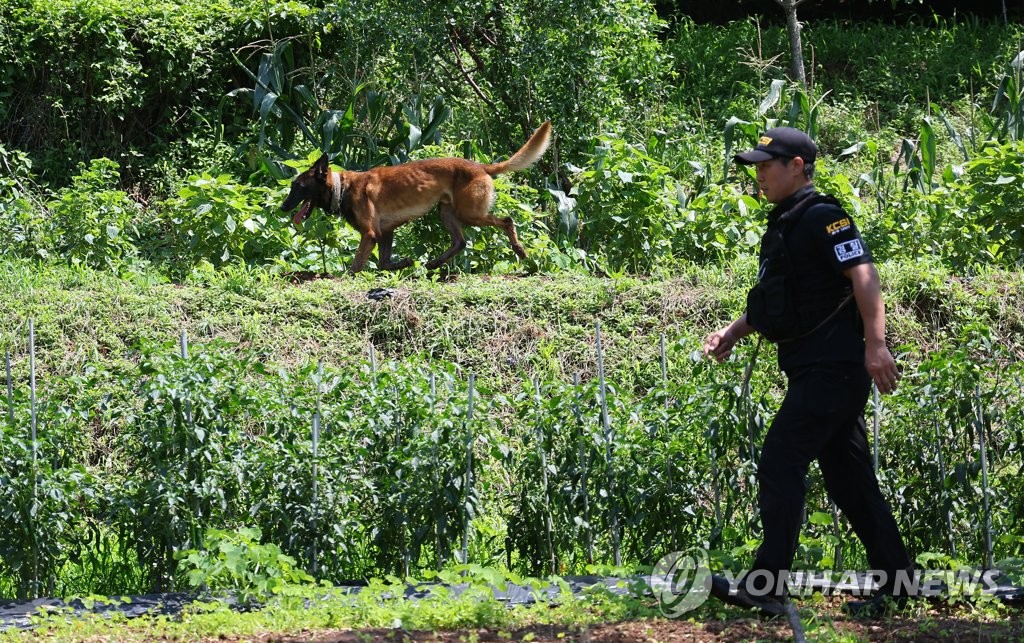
<point x="822" y="418"/>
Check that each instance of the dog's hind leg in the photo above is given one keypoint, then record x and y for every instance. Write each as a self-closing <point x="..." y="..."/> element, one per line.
<point x="387" y="240"/>
<point x="474" y="209"/>
<point x="506" y="224"/>
<point x="454" y="228"/>
<point x="509" y="226"/>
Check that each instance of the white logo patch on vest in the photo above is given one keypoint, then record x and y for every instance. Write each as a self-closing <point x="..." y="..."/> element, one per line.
<point x="849" y="250"/>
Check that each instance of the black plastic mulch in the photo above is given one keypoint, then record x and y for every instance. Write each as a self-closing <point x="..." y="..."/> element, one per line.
<point x="19" y="614"/>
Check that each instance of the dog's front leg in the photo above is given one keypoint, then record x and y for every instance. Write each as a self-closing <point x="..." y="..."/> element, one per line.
<point x="366" y="243"/>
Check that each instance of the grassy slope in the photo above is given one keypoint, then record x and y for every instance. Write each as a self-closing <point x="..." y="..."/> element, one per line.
<point x="496" y="327"/>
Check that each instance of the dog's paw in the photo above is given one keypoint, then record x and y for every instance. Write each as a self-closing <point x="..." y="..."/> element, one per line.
<point x="399" y="265"/>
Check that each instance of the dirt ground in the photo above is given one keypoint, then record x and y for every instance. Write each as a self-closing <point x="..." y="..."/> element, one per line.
<point x="666" y="631"/>
<point x="934" y="625"/>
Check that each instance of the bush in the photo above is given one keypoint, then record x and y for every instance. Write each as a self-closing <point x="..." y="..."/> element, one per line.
<point x="239" y="561"/>
<point x="994" y="187"/>
<point x="218" y="220"/>
<point x="92" y="222"/>
<point x="92" y="78"/>
<point x="627" y="203"/>
<point x="22" y="221"/>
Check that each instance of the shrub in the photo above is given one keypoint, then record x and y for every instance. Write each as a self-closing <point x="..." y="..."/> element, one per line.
<point x="92" y="222"/>
<point x="221" y="221"/>
<point x="22" y="220"/>
<point x="626" y="202"/>
<point x="994" y="187"/>
<point x="237" y="560"/>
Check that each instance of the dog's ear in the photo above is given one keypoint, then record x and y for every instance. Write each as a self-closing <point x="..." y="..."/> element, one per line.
<point x="322" y="167"/>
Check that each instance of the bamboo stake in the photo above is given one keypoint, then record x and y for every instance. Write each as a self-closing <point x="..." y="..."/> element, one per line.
<point x="943" y="495"/>
<point x="10" y="389"/>
<point x="664" y="361"/>
<point x="837" y="562"/>
<point x="713" y="462"/>
<point x="402" y="497"/>
<point x="183" y="343"/>
<point x="438" y="512"/>
<point x="984" y="477"/>
<point x="35" y="447"/>
<point x="668" y="461"/>
<point x="603" y="391"/>
<point x="197" y="533"/>
<point x="32" y="399"/>
<point x="588" y="532"/>
<point x="544" y="478"/>
<point x="316" y="455"/>
<point x="469" y="471"/>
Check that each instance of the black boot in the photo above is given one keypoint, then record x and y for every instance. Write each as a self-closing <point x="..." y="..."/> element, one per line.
<point x="875" y="606"/>
<point x="740" y="597"/>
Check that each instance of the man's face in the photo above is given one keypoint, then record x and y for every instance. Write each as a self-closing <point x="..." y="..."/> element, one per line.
<point x="779" y="178"/>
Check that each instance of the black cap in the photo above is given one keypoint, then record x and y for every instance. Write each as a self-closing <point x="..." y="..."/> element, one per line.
<point x="780" y="142"/>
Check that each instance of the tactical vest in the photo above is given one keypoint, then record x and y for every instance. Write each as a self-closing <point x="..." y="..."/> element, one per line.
<point x="773" y="304"/>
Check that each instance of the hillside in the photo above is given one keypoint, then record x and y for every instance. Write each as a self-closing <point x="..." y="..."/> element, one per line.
<point x="500" y="327"/>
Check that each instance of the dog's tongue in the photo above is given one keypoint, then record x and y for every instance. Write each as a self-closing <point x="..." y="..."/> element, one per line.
<point x="302" y="213"/>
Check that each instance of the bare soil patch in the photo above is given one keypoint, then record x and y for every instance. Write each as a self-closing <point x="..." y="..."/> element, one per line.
<point x="939" y="624"/>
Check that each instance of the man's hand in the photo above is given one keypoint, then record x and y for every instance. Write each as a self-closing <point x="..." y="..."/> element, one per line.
<point x="881" y="367"/>
<point x="719" y="344"/>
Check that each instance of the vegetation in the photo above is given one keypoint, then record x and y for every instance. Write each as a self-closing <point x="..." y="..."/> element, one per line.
<point x="208" y="413"/>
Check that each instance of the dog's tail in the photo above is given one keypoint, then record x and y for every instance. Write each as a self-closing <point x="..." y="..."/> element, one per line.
<point x="527" y="154"/>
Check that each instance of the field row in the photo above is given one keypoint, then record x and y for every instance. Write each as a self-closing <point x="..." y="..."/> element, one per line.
<point x="372" y="469"/>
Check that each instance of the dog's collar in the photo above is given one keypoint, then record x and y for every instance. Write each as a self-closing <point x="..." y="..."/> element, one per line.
<point x="336" y="192"/>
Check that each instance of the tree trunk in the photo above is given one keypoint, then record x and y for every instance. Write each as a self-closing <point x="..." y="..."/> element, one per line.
<point x="796" y="50"/>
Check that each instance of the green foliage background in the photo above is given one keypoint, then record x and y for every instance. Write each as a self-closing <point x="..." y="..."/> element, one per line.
<point x="145" y="147"/>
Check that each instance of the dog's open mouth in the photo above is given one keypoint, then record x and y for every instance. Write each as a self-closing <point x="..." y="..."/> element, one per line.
<point x="302" y="212"/>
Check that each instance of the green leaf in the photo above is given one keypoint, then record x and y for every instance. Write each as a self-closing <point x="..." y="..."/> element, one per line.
<point x="851" y="151"/>
<point x="820" y="518"/>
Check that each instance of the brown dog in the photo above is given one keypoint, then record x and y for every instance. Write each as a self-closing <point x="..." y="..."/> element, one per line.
<point x="377" y="201"/>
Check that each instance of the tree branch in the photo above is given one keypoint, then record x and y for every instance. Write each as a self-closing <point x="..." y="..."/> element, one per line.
<point x="454" y="40"/>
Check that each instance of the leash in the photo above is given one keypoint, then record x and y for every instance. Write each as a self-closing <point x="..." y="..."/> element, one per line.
<point x="747" y="402"/>
<point x="757" y="347"/>
<point x="745" y="386"/>
<point x="794" y="622"/>
<point x="830" y="317"/>
<point x="749" y="371"/>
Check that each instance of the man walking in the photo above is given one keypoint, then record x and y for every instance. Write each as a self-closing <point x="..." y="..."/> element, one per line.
<point x="818" y="297"/>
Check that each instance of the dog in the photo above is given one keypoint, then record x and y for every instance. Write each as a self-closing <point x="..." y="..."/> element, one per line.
<point x="377" y="201"/>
